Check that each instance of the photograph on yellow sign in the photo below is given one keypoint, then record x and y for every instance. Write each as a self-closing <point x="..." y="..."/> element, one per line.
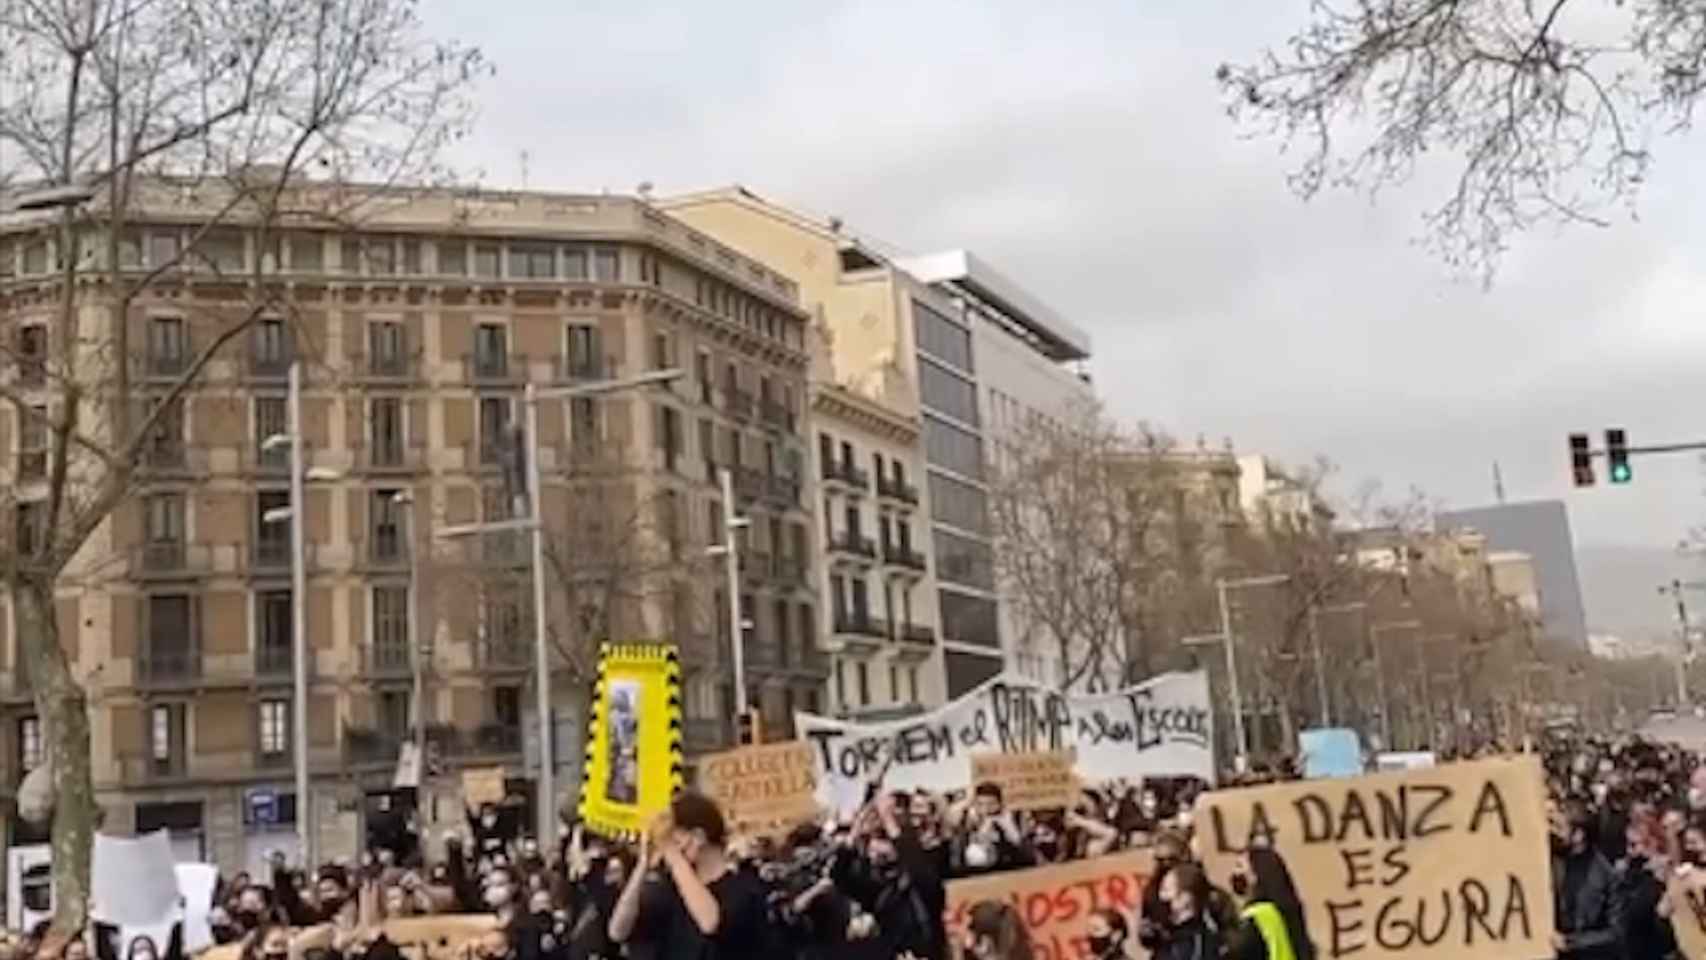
<point x="633" y="744"/>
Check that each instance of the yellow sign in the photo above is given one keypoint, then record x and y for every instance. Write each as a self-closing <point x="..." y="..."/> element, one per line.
<point x="483" y="785"/>
<point x="762" y="790"/>
<point x="633" y="742"/>
<point x="1041" y="780"/>
<point x="1443" y="863"/>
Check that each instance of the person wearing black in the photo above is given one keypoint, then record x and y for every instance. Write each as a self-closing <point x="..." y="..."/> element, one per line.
<point x="335" y="904"/>
<point x="1271" y="921"/>
<point x="718" y="911"/>
<point x="502" y="890"/>
<point x="1190" y="935"/>
<point x="1586" y="911"/>
<point x="896" y="883"/>
<point x="1640" y="888"/>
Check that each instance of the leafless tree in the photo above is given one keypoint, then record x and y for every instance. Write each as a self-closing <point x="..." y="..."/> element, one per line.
<point x="1094" y="541"/>
<point x="234" y="116"/>
<point x="1546" y="110"/>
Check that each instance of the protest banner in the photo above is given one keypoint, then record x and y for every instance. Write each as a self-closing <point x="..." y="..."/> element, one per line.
<point x="441" y="937"/>
<point x="763" y="790"/>
<point x="1330" y="752"/>
<point x="1161" y="728"/>
<point x="1029" y="781"/>
<point x="483" y="785"/>
<point x="633" y="739"/>
<point x="1444" y="863"/>
<point x="1687" y="895"/>
<point x="1055" y="902"/>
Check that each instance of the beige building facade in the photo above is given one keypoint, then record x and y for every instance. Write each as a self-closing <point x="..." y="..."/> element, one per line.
<point x="417" y="334"/>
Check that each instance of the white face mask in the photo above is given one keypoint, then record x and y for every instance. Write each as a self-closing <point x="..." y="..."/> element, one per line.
<point x="1696" y="797"/>
<point x="978" y="856"/>
<point x="1599" y="792"/>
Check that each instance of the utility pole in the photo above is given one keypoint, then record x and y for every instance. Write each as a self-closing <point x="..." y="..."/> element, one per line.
<point x="729" y="550"/>
<point x="1675" y="589"/>
<point x="299" y="623"/>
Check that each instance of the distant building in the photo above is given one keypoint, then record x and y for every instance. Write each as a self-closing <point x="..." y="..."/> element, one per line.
<point x="1540" y="529"/>
<point x="1267" y="491"/>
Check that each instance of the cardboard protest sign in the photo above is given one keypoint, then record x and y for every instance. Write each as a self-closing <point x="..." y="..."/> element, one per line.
<point x="633" y="739"/>
<point x="1446" y="863"/>
<point x="1160" y="728"/>
<point x="483" y="785"/>
<point x="1687" y="896"/>
<point x="762" y="790"/>
<point x="441" y="937"/>
<point x="1042" y="780"/>
<point x="1055" y="902"/>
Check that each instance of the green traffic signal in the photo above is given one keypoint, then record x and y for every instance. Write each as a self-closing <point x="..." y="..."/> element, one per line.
<point x="1617" y="455"/>
<point x="1620" y="473"/>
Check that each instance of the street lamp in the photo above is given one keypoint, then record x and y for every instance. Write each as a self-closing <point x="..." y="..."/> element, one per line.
<point x="421" y="651"/>
<point x="729" y="550"/>
<point x="544" y="813"/>
<point x="294" y="513"/>
<point x="1231" y="644"/>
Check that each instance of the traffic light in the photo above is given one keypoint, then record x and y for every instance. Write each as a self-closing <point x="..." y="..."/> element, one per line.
<point x="1617" y="456"/>
<point x="749" y="727"/>
<point x="1581" y="460"/>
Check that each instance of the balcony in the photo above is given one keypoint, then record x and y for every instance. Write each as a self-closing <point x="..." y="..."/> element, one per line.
<point x="393" y="367"/>
<point x="271" y="555"/>
<point x="169" y="460"/>
<point x="276" y="662"/>
<point x="738" y="403"/>
<point x="896" y="489"/>
<point x="776" y="416"/>
<point x="387" y="550"/>
<point x="172" y="668"/>
<point x="390" y="458"/>
<point x="856" y="631"/>
<point x="750" y="484"/>
<point x="141" y="766"/>
<point x="755" y="566"/>
<point x="363" y="747"/>
<point x="783" y="491"/>
<point x="914" y="641"/>
<point x="389" y="660"/>
<point x="849" y="545"/>
<point x="169" y="559"/>
<point x="503" y="653"/>
<point x="267" y="364"/>
<point x="494" y="368"/>
<point x="788" y="571"/>
<point x="845" y="473"/>
<point x="491" y="739"/>
<point x="572" y="369"/>
<point x="904" y="557"/>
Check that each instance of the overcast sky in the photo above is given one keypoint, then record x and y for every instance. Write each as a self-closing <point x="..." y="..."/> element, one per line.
<point x="1087" y="157"/>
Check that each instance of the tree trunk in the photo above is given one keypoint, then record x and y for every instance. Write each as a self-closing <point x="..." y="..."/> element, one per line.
<point x="64" y="710"/>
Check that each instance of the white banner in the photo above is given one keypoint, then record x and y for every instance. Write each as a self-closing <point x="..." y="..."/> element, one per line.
<point x="1160" y="728"/>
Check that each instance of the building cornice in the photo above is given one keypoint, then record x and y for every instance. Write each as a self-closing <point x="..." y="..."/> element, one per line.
<point x="837" y="402"/>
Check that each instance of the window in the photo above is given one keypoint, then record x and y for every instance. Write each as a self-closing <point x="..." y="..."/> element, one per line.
<point x="912" y="684"/>
<point x="494" y="428"/>
<point x="381" y="259"/>
<point x="784" y="633"/>
<point x="387" y="348"/>
<point x="808" y="631"/>
<point x="506" y="706"/>
<point x="163" y="518"/>
<point x="958" y="504"/>
<point x="270" y="346"/>
<point x="607" y="265"/>
<point x="491" y="350"/>
<point x="453" y="258"/>
<point x="968" y="562"/>
<point x="966" y="619"/>
<point x="574" y="263"/>
<point x="411" y="257"/>
<point x="273" y="728"/>
<point x="272" y="538"/>
<point x="583" y="423"/>
<point x="660" y="351"/>
<point x="35" y="258"/>
<point x="164" y="249"/>
<point x="32" y="443"/>
<point x="894" y="683"/>
<point x="168" y="347"/>
<point x="714" y="521"/>
<point x="349" y="255"/>
<point x="583" y="351"/>
<point x="307" y="253"/>
<point x="385" y="430"/>
<point x="708" y="444"/>
<point x="862" y="672"/>
<point x="702" y="373"/>
<point x="391" y="618"/>
<point x="166" y="737"/>
<point x="392" y="712"/>
<point x="29" y="743"/>
<point x="222" y="250"/>
<point x="386" y="526"/>
<point x="171" y="650"/>
<point x="841" y="681"/>
<point x="32" y="354"/>
<point x="669" y="434"/>
<point x="31" y="521"/>
<point x="942" y="338"/>
<point x="942" y="391"/>
<point x="270" y="421"/>
<point x="530" y="262"/>
<point x="274" y="630"/>
<point x="488" y="261"/>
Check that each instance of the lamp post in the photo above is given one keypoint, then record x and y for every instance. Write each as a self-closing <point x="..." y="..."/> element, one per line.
<point x="421" y="650"/>
<point x="1231" y="644"/>
<point x="299" y="472"/>
<point x="729" y="551"/>
<point x="544" y="814"/>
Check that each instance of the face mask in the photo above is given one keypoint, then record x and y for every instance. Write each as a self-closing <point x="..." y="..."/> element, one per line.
<point x="488" y="821"/>
<point x="279" y="955"/>
<point x="1240" y="885"/>
<point x="1696" y="798"/>
<point x="978" y="856"/>
<point x="1599" y="792"/>
<point x="497" y="895"/>
<point x="1101" y="945"/>
<point x="1048" y="848"/>
<point x="247" y="919"/>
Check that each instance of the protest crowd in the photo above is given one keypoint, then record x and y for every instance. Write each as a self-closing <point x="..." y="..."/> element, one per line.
<point x="1625" y="818"/>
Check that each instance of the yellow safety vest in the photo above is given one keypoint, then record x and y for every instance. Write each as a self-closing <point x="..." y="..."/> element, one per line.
<point x="1271" y="925"/>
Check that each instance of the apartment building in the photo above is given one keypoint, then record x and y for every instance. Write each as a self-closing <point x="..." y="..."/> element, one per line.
<point x="417" y="334"/>
<point x="866" y="409"/>
<point x="878" y="618"/>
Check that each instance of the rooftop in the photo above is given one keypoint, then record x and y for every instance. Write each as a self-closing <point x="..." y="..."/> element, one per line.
<point x="1053" y="335"/>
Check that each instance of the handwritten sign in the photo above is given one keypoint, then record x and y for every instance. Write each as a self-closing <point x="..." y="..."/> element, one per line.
<point x="1687" y="896"/>
<point x="1447" y="863"/>
<point x="1161" y="728"/>
<point x="483" y="785"/>
<point x="442" y="937"/>
<point x="1055" y="902"/>
<point x="1029" y="781"/>
<point x="762" y="790"/>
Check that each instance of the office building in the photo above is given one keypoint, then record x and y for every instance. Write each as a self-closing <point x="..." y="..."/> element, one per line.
<point x="1540" y="529"/>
